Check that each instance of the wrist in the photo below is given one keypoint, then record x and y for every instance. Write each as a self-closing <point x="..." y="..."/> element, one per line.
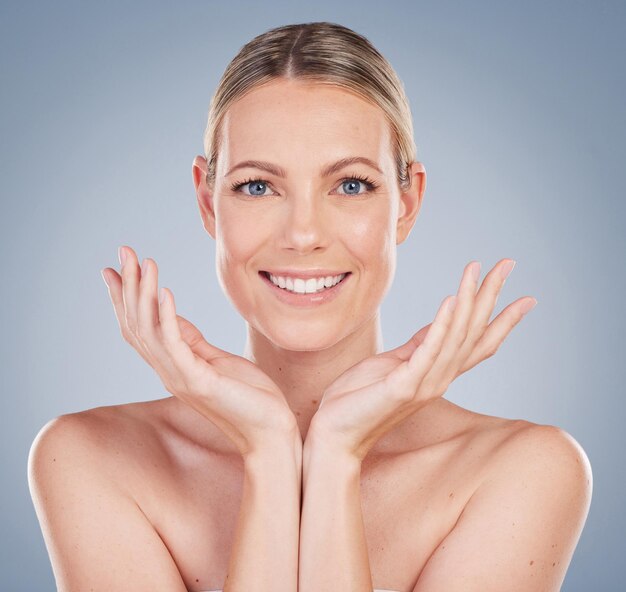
<point x="275" y="453"/>
<point x="320" y="453"/>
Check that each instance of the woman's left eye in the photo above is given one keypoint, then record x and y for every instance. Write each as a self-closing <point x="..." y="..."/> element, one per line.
<point x="352" y="185"/>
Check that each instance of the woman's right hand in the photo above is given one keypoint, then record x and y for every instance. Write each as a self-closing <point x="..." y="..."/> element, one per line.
<point x="227" y="389"/>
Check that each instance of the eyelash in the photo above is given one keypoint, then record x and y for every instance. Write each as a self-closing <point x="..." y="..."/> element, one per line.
<point x="369" y="183"/>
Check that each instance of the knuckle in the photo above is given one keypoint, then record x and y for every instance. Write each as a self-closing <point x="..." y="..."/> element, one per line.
<point x="492" y="350"/>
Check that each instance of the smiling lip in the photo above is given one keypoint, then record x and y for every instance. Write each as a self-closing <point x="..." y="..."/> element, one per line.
<point x="305" y="300"/>
<point x="304" y="274"/>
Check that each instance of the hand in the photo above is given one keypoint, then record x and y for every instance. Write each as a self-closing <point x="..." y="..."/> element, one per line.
<point x="227" y="389"/>
<point x="376" y="394"/>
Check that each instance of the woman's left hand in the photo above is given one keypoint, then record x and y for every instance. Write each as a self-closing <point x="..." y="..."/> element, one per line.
<point x="376" y="394"/>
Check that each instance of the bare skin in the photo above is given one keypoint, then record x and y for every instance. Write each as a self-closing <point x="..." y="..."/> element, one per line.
<point x="429" y="475"/>
<point x="415" y="482"/>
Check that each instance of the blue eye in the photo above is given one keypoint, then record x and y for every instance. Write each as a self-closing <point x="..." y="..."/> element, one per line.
<point x="354" y="186"/>
<point x="355" y="183"/>
<point x="255" y="185"/>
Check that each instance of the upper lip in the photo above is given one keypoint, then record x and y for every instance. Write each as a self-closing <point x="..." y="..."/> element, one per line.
<point x="304" y="273"/>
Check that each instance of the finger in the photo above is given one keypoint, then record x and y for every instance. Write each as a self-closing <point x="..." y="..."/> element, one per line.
<point x="405" y="379"/>
<point x="459" y="327"/>
<point x="147" y="303"/>
<point x="432" y="344"/>
<point x="486" y="300"/>
<point x="148" y="325"/>
<point x="114" y="284"/>
<point x="130" y="274"/>
<point x="403" y="352"/>
<point x="498" y="330"/>
<point x="196" y="341"/>
<point x="195" y="372"/>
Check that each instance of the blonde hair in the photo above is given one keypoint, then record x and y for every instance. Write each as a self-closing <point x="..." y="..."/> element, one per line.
<point x="321" y="52"/>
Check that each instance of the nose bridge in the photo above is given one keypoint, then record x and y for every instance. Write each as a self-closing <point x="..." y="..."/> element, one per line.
<point x="305" y="224"/>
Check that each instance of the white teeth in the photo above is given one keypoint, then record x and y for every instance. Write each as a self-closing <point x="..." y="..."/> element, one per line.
<point x="309" y="286"/>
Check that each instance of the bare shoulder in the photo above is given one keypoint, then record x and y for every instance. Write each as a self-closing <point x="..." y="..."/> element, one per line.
<point x="535" y="452"/>
<point x="520" y="527"/>
<point x="101" y="436"/>
<point x="79" y="469"/>
<point x="540" y="471"/>
<point x="542" y="449"/>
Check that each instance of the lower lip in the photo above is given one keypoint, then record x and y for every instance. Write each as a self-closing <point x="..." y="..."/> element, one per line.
<point x="305" y="300"/>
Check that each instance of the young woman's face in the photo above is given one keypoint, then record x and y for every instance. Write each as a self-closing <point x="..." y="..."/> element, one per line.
<point x="287" y="215"/>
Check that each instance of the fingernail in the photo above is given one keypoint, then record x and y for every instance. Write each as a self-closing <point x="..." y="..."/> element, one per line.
<point x="104" y="277"/>
<point x="507" y="268"/>
<point x="121" y="254"/>
<point x="528" y="305"/>
<point x="452" y="304"/>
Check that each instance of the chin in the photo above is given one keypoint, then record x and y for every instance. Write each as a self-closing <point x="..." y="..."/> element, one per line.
<point x="299" y="337"/>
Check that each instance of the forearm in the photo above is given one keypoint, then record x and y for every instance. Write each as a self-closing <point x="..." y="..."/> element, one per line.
<point x="333" y="549"/>
<point x="265" y="550"/>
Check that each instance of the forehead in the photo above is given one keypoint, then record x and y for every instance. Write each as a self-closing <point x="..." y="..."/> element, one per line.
<point x="298" y="123"/>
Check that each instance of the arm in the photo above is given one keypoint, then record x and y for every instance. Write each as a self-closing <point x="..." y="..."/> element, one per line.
<point x="265" y="551"/>
<point x="96" y="535"/>
<point x="333" y="550"/>
<point x="517" y="533"/>
<point x="519" y="530"/>
<point x="243" y="402"/>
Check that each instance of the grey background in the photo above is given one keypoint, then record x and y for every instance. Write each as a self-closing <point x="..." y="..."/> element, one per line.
<point x="519" y="120"/>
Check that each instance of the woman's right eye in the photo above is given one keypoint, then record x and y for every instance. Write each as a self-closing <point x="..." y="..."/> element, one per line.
<point x="257" y="187"/>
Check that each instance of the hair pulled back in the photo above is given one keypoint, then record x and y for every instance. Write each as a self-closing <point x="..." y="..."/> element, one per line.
<point x="321" y="52"/>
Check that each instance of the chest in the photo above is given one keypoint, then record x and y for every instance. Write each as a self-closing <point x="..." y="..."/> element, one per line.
<point x="409" y="502"/>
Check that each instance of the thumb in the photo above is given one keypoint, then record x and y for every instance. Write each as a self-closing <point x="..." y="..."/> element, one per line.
<point x="404" y="352"/>
<point x="192" y="336"/>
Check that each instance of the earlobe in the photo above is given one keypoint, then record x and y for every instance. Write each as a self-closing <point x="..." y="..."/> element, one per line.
<point x="204" y="194"/>
<point x="411" y="201"/>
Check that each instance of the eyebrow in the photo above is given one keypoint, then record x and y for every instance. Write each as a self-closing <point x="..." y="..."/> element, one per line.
<point x="326" y="171"/>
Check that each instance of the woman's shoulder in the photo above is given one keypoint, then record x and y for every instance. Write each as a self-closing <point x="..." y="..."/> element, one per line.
<point x="136" y="442"/>
<point x="542" y="447"/>
<point x="112" y="438"/>
<point x="512" y="447"/>
<point x="102" y="425"/>
<point x="495" y="443"/>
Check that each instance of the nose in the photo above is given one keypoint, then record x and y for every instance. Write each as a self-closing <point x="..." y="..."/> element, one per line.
<point x="305" y="225"/>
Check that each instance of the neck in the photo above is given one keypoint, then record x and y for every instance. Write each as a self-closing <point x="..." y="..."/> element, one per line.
<point x="303" y="376"/>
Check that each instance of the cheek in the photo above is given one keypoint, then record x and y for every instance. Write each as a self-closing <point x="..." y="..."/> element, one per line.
<point x="372" y="241"/>
<point x="374" y="246"/>
<point x="237" y="241"/>
<point x="239" y="231"/>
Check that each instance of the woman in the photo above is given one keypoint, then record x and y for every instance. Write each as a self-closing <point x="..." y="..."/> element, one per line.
<point x="317" y="461"/>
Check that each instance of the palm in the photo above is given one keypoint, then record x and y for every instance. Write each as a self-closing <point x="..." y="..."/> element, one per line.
<point x="240" y="377"/>
<point x="374" y="369"/>
<point x="372" y="396"/>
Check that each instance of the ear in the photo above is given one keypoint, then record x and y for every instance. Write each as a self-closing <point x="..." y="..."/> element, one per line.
<point x="204" y="194"/>
<point x="411" y="201"/>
